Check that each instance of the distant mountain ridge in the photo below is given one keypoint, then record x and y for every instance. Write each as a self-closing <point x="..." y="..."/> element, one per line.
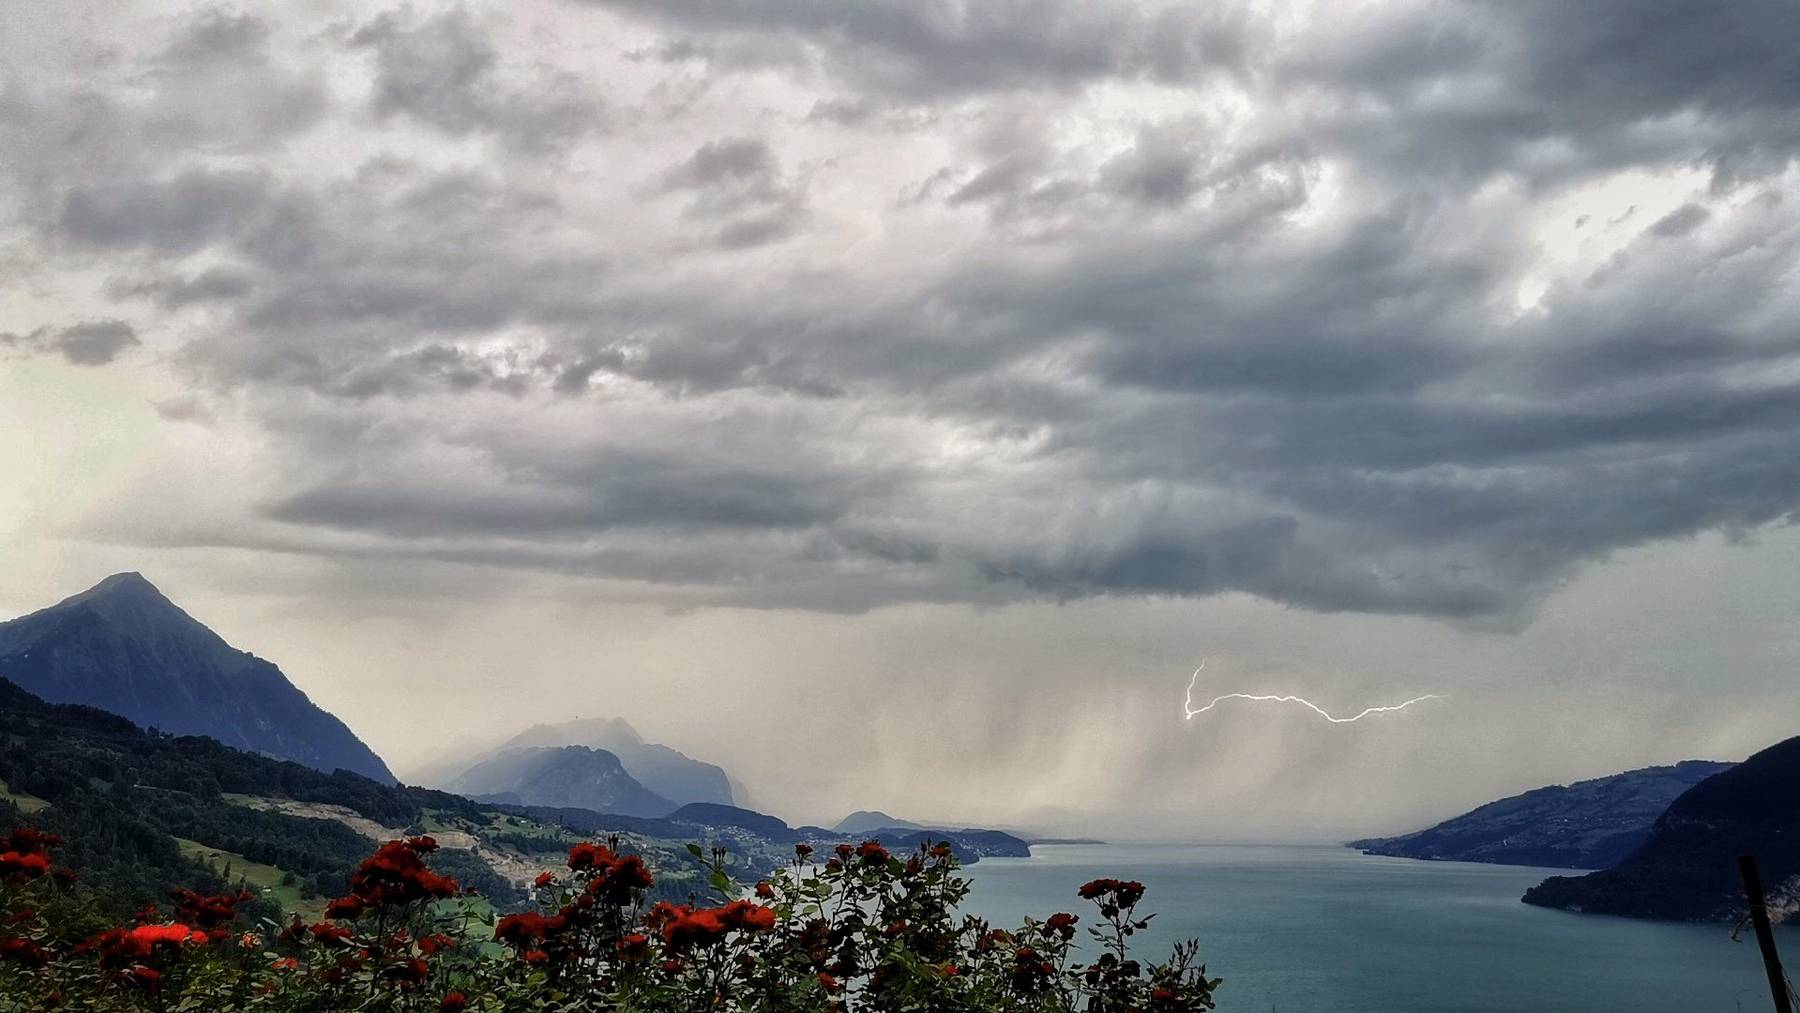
<point x="732" y="823"/>
<point x="123" y="647"/>
<point x="1589" y="824"/>
<point x="664" y="770"/>
<point x="668" y="772"/>
<point x="1686" y="868"/>
<point x="906" y="835"/>
<point x="562" y="776"/>
<point x="863" y="820"/>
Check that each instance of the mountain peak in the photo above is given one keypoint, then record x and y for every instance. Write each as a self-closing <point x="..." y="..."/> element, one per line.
<point x="127" y="584"/>
<point x="124" y="647"/>
<point x="131" y="603"/>
<point x="600" y="733"/>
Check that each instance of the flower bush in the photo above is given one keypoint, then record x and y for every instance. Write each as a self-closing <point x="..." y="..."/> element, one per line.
<point x="862" y="931"/>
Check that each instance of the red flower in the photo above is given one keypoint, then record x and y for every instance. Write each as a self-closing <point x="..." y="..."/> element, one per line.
<point x="23" y="951"/>
<point x="872" y="853"/>
<point x="344" y="907"/>
<point x="1030" y="969"/>
<point x="544" y="879"/>
<point x="662" y="913"/>
<point x="395" y="874"/>
<point x="147" y="978"/>
<point x="535" y="957"/>
<point x="633" y="947"/>
<point x="454" y="1002"/>
<point x="587" y="856"/>
<point x="615" y="877"/>
<point x="694" y="928"/>
<point x="746" y="917"/>
<point x="828" y="983"/>
<point x="1120" y="893"/>
<point x="765" y="891"/>
<point x="119" y="947"/>
<point x="436" y="941"/>
<point x="284" y="963"/>
<point x="208" y="911"/>
<point x="1062" y="923"/>
<point x="803" y="851"/>
<point x="521" y="929"/>
<point x="32" y="841"/>
<point x="331" y="935"/>
<point x="632" y="872"/>
<point x="24" y="865"/>
<point x="409" y="971"/>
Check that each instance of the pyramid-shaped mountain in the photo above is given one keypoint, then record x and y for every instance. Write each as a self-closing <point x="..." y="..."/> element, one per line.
<point x="123" y="647"/>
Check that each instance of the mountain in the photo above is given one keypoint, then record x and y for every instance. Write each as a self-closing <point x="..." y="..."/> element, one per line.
<point x="665" y="771"/>
<point x="1687" y="867"/>
<point x="713" y="814"/>
<point x="864" y="820"/>
<point x="561" y="776"/>
<point x="1586" y="825"/>
<point x="122" y="646"/>
<point x="137" y="808"/>
<point x="188" y="810"/>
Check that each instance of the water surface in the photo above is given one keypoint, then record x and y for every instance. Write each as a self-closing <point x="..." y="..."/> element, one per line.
<point x="1297" y="929"/>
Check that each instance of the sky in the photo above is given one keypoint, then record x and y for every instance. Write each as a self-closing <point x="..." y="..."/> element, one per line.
<point x="894" y="402"/>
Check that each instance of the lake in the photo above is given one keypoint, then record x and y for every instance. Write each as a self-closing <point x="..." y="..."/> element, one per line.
<point x="1298" y="929"/>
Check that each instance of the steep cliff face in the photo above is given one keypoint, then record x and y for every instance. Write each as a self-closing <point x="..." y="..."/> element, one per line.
<point x="1687" y="867"/>
<point x="123" y="647"/>
<point x="1586" y="825"/>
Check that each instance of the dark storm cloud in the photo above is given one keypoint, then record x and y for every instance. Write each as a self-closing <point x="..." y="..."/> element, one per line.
<point x="442" y="71"/>
<point x="175" y="292"/>
<point x="89" y="343"/>
<point x="1478" y="87"/>
<point x="955" y="301"/>
<point x="940" y="47"/>
<point x="173" y="215"/>
<point x="1681" y="221"/>
<point x="636" y="493"/>
<point x="739" y="182"/>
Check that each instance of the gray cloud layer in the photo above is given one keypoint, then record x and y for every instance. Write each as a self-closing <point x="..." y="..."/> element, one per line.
<point x="89" y="343"/>
<point x="835" y="307"/>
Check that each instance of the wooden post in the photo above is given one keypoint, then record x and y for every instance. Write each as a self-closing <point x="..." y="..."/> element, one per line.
<point x="1765" y="937"/>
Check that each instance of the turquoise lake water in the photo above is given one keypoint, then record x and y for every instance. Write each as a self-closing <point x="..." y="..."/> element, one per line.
<point x="1299" y="929"/>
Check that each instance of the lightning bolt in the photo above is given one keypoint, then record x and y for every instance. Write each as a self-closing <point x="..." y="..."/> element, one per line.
<point x="1190" y="710"/>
